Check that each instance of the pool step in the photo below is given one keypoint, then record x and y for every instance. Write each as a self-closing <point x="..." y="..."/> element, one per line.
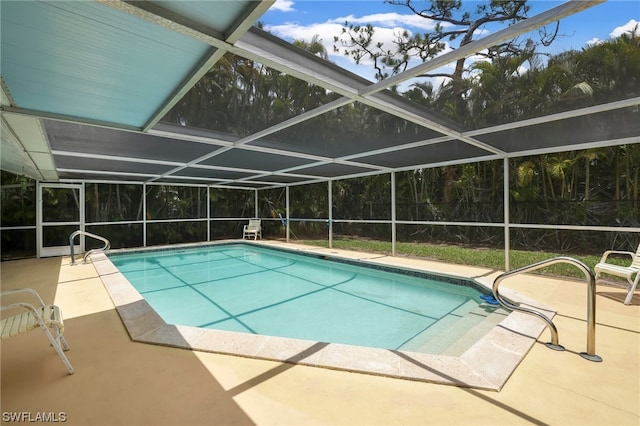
<point x="456" y="332"/>
<point x="434" y="339"/>
<point x="473" y="334"/>
<point x="442" y="333"/>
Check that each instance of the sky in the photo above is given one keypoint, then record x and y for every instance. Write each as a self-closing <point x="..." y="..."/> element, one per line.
<point x="302" y="19"/>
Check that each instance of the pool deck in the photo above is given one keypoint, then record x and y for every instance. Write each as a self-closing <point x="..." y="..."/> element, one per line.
<point x="122" y="382"/>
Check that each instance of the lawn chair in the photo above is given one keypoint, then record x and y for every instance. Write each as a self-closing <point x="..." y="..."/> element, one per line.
<point x="30" y="317"/>
<point x="252" y="229"/>
<point x="631" y="272"/>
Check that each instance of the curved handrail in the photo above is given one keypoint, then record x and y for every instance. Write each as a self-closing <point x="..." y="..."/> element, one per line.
<point x="591" y="303"/>
<point x="107" y="245"/>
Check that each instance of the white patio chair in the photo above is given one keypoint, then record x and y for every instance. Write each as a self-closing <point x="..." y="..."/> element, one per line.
<point x="631" y="273"/>
<point x="252" y="229"/>
<point x="30" y="316"/>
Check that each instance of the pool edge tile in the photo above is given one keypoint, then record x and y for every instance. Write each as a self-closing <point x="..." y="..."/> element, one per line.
<point x="138" y="317"/>
<point x="441" y="369"/>
<point x="103" y="265"/>
<point x="359" y="359"/>
<point x="172" y="335"/>
<point x="229" y="342"/>
<point x="291" y="350"/>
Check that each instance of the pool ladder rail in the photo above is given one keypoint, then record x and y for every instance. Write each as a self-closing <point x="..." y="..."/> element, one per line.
<point x="590" y="354"/>
<point x="107" y="245"/>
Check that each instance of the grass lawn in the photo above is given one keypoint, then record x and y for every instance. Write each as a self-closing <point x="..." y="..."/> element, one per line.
<point x="485" y="257"/>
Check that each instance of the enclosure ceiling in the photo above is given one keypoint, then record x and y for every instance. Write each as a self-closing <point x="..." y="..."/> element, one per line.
<point x="85" y="87"/>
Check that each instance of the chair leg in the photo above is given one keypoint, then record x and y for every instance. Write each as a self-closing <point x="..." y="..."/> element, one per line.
<point x="63" y="343"/>
<point x="632" y="289"/>
<point x="58" y="346"/>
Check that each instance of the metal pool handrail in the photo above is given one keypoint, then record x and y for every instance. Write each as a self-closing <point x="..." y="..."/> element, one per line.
<point x="107" y="245"/>
<point x="591" y="304"/>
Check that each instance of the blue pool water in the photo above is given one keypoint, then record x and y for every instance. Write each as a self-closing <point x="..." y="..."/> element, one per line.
<point x="252" y="289"/>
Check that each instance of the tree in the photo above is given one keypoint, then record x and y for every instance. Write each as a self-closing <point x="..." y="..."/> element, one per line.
<point x="454" y="22"/>
<point x="314" y="46"/>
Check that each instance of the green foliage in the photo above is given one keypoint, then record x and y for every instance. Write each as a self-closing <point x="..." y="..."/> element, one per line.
<point x="17" y="201"/>
<point x="113" y="202"/>
<point x="176" y="202"/>
<point x="230" y="203"/>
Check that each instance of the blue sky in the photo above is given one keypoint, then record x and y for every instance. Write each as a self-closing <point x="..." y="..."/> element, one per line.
<point x="302" y="19"/>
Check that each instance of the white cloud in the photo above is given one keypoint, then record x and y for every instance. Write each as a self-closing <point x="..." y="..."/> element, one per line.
<point x="626" y="28"/>
<point x="327" y="31"/>
<point x="387" y="27"/>
<point x="390" y="20"/>
<point x="593" y="41"/>
<point x="283" y="6"/>
<point x="522" y="70"/>
<point x="295" y="31"/>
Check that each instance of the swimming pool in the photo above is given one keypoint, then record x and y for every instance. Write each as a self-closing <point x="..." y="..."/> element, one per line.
<point x="482" y="362"/>
<point x="251" y="289"/>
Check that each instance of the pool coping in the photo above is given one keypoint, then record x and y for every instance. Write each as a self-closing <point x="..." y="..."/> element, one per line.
<point x="487" y="364"/>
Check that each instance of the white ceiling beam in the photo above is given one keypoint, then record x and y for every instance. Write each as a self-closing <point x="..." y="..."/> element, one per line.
<point x="26" y="137"/>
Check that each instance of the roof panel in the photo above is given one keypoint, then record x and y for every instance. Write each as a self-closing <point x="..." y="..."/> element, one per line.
<point x="86" y="60"/>
<point x="364" y="129"/>
<point x="433" y="153"/>
<point x="95" y="165"/>
<point x="211" y="173"/>
<point x="333" y="170"/>
<point x="218" y="15"/>
<point x="569" y="133"/>
<point x="70" y="137"/>
<point x="255" y="160"/>
<point x="97" y="176"/>
<point x="245" y="185"/>
<point x="279" y="179"/>
<point x="217" y="102"/>
<point x="188" y="181"/>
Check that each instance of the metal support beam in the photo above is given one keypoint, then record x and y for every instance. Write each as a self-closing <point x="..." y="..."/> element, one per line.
<point x="393" y="213"/>
<point x="144" y="215"/>
<point x="256" y="211"/>
<point x="330" y="198"/>
<point x="208" y="213"/>
<point x="287" y="211"/>
<point x="507" y="238"/>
